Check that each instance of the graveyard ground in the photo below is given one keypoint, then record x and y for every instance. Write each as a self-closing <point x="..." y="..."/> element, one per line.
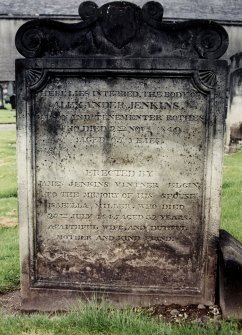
<point x="103" y="320"/>
<point x="93" y="319"/>
<point x="231" y="206"/>
<point x="7" y="116"/>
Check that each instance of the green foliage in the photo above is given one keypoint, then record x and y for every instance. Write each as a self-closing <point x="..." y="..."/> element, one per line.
<point x="9" y="259"/>
<point x="7" y="115"/>
<point x="95" y="319"/>
<point x="9" y="255"/>
<point x="231" y="210"/>
<point x="8" y="163"/>
<point x="8" y="209"/>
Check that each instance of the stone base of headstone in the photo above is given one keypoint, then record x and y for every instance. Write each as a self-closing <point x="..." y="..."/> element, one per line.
<point x="230" y="275"/>
<point x="57" y="300"/>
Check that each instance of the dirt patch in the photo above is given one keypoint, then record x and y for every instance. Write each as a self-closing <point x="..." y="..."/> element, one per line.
<point x="199" y="314"/>
<point x="10" y="302"/>
<point x="7" y="222"/>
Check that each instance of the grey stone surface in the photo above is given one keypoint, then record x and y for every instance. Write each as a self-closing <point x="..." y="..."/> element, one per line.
<point x="121" y="152"/>
<point x="174" y="312"/>
<point x="230" y="277"/>
<point x="201" y="306"/>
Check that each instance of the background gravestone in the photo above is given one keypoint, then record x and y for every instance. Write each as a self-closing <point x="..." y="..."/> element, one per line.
<point x="120" y="142"/>
<point x="1" y="97"/>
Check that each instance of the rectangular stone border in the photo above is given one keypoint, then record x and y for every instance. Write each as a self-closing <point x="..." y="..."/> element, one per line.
<point x="30" y="74"/>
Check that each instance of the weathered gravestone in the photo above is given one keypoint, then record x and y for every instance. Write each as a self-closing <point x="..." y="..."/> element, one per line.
<point x="230" y="275"/>
<point x="1" y="97"/>
<point x="120" y="141"/>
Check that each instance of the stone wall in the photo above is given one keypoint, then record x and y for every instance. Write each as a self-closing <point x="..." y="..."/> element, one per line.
<point x="185" y="9"/>
<point x="8" y="52"/>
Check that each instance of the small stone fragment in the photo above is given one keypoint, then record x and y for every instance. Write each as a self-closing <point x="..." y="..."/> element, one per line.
<point x="174" y="312"/>
<point x="185" y="316"/>
<point x="201" y="306"/>
<point x="215" y="311"/>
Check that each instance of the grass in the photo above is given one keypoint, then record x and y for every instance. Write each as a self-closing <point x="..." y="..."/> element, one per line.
<point x="231" y="210"/>
<point x="9" y="256"/>
<point x="8" y="163"/>
<point x="8" y="209"/>
<point x="7" y="116"/>
<point x="9" y="259"/>
<point x="95" y="319"/>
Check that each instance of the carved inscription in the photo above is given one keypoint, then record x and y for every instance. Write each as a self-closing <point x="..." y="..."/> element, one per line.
<point x="119" y="180"/>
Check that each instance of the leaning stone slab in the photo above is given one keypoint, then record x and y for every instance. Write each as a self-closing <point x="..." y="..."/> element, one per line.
<point x="230" y="275"/>
<point x="120" y="145"/>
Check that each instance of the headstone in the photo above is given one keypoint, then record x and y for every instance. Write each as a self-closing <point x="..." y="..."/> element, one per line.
<point x="120" y="142"/>
<point x="1" y="98"/>
<point x="234" y="118"/>
<point x="13" y="101"/>
<point x="11" y="94"/>
<point x="10" y="88"/>
<point x="230" y="275"/>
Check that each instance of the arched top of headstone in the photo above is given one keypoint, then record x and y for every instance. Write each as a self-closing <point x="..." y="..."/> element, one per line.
<point x="122" y="29"/>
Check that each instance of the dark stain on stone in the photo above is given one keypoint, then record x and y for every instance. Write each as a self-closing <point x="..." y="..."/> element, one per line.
<point x="215" y="126"/>
<point x="107" y="145"/>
